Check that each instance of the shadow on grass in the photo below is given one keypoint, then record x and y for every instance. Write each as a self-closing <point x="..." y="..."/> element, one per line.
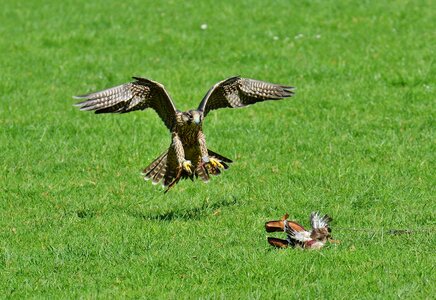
<point x="193" y="213"/>
<point x="85" y="213"/>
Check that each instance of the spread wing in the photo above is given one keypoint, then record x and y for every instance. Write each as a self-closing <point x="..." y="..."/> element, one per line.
<point x="296" y="232"/>
<point x="137" y="95"/>
<point x="319" y="222"/>
<point x="300" y="236"/>
<point x="239" y="92"/>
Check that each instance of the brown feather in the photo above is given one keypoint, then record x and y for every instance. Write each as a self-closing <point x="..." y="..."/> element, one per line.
<point x="239" y="92"/>
<point x="137" y="95"/>
<point x="153" y="165"/>
<point x="202" y="173"/>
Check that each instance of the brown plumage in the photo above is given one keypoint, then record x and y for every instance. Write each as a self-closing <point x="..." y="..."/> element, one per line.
<point x="187" y="156"/>
<point x="298" y="236"/>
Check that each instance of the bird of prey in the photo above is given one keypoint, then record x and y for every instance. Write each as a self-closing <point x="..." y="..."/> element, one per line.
<point x="187" y="155"/>
<point x="298" y="236"/>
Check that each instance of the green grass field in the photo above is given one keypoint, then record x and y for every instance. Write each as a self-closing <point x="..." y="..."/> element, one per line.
<point x="357" y="142"/>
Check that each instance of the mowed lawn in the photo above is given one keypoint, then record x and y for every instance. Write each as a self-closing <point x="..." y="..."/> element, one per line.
<point x="357" y="142"/>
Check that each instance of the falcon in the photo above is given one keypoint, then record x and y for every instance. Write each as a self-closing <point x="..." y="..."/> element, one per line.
<point x="298" y="236"/>
<point x="187" y="155"/>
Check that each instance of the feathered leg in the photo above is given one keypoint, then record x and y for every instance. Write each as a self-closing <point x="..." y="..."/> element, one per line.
<point x="176" y="163"/>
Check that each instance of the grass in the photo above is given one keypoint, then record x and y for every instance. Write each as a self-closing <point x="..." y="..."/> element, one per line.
<point x="357" y="142"/>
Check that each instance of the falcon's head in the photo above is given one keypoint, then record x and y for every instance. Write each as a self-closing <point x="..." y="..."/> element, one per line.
<point x="192" y="117"/>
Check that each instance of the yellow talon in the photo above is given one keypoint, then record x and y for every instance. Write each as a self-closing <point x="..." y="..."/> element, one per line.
<point x="216" y="163"/>
<point x="187" y="165"/>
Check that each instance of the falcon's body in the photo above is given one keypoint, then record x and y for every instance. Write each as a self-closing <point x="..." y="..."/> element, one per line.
<point x="187" y="156"/>
<point x="298" y="236"/>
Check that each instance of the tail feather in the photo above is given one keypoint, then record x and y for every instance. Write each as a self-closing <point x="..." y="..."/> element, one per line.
<point x="220" y="157"/>
<point x="159" y="172"/>
<point x="159" y="175"/>
<point x="152" y="174"/>
<point x="202" y="173"/>
<point x="226" y="166"/>
<point x="172" y="176"/>
<point x="151" y="167"/>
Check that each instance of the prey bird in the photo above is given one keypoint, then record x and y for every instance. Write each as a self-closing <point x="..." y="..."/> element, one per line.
<point x="187" y="155"/>
<point x="298" y="236"/>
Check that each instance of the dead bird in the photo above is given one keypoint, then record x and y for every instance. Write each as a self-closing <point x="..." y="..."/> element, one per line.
<point x="298" y="236"/>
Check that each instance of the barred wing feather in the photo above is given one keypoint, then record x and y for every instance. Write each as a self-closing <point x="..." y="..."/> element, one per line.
<point x="137" y="95"/>
<point x="239" y="92"/>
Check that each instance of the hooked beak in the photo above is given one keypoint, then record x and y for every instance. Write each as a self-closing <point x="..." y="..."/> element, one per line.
<point x="197" y="119"/>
